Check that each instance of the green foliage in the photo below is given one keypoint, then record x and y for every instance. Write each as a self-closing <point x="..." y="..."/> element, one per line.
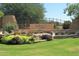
<point x="30" y="13"/>
<point x="1" y="14"/>
<point x="12" y="39"/>
<point x="9" y="27"/>
<point x="72" y="9"/>
<point x="31" y="40"/>
<point x="5" y="39"/>
<point x="25" y="38"/>
<point x="66" y="24"/>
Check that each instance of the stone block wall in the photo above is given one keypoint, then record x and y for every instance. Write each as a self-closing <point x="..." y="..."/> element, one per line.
<point x="9" y="19"/>
<point x="75" y="25"/>
<point x="41" y="27"/>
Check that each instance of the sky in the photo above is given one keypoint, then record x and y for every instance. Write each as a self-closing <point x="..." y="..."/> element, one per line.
<point x="56" y="10"/>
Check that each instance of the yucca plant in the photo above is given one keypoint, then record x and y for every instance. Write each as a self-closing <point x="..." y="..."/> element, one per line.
<point x="9" y="27"/>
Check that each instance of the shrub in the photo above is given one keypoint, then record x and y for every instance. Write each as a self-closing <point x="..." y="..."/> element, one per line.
<point x="9" y="27"/>
<point x="11" y="39"/>
<point x="46" y="37"/>
<point x="7" y="38"/>
<point x="31" y="40"/>
<point x="1" y="14"/>
<point x="16" y="40"/>
<point x="1" y="37"/>
<point x="66" y="24"/>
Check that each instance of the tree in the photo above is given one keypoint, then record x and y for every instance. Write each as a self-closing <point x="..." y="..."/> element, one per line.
<point x="66" y="24"/>
<point x="24" y="13"/>
<point x="72" y="10"/>
<point x="1" y="14"/>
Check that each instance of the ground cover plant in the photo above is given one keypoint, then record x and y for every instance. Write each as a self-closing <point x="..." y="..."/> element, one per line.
<point x="56" y="47"/>
<point x="15" y="39"/>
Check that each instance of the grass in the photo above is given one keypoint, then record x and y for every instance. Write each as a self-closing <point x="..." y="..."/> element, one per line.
<point x="59" y="47"/>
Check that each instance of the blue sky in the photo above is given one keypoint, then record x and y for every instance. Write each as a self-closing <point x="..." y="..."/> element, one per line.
<point x="56" y="10"/>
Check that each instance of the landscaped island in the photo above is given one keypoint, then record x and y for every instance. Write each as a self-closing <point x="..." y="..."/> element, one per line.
<point x="26" y="31"/>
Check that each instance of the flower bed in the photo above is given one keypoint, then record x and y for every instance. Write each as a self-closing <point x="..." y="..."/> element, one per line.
<point x="16" y="39"/>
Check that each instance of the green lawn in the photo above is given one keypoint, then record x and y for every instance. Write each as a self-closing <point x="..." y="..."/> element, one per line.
<point x="59" y="47"/>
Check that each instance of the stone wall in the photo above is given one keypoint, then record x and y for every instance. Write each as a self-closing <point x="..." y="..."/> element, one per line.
<point x="41" y="27"/>
<point x="32" y="28"/>
<point x="38" y="28"/>
<point x="9" y="19"/>
<point x="75" y="25"/>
